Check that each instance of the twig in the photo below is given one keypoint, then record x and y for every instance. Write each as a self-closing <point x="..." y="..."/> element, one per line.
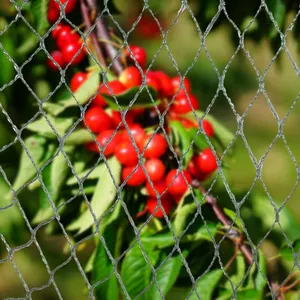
<point x="87" y="21"/>
<point x="233" y="234"/>
<point x="102" y="33"/>
<point x="289" y="287"/>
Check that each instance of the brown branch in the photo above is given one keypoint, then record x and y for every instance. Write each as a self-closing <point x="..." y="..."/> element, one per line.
<point x="102" y="33"/>
<point x="233" y="234"/>
<point x="87" y="21"/>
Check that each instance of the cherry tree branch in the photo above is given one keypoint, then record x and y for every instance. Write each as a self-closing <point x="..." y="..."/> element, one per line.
<point x="102" y="33"/>
<point x="87" y="21"/>
<point x="233" y="234"/>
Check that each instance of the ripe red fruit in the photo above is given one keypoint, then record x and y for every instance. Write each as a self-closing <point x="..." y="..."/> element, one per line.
<point x="66" y="36"/>
<point x="52" y="15"/>
<point x="177" y="185"/>
<point x="137" y="132"/>
<point x="182" y="105"/>
<point x="103" y="139"/>
<point x="117" y="118"/>
<point x="166" y="203"/>
<point x="176" y="81"/>
<point x="152" y="81"/>
<point x="206" y="161"/>
<point x="156" y="148"/>
<point x="165" y="83"/>
<point x="159" y="186"/>
<point x="131" y="77"/>
<point x="208" y="128"/>
<point x="116" y="87"/>
<point x="147" y="27"/>
<point x="68" y="8"/>
<point x="73" y="53"/>
<point x="136" y="178"/>
<point x="195" y="171"/>
<point x="57" y="56"/>
<point x="126" y="154"/>
<point x="55" y="32"/>
<point x="155" y="169"/>
<point x="77" y="80"/>
<point x="139" y="54"/>
<point x="97" y="119"/>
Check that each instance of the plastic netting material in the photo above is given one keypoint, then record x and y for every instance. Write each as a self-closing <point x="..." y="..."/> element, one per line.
<point x="221" y="89"/>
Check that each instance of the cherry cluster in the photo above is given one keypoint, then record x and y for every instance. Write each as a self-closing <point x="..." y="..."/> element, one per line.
<point x="70" y="48"/>
<point x="137" y="138"/>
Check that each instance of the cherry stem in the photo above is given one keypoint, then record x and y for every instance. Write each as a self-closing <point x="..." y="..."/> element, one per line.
<point x="87" y="21"/>
<point x="289" y="287"/>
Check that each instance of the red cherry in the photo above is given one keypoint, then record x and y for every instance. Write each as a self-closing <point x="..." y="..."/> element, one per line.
<point x="159" y="186"/>
<point x="194" y="170"/>
<point x="97" y="119"/>
<point x="117" y="118"/>
<point x="55" y="32"/>
<point x="206" y="161"/>
<point x="155" y="169"/>
<point x="152" y="81"/>
<point x="176" y="81"/>
<point x="156" y="148"/>
<point x="57" y="56"/>
<point x="181" y="104"/>
<point x="139" y="54"/>
<point x="131" y="77"/>
<point x="116" y="87"/>
<point x="66" y="36"/>
<point x="165" y="83"/>
<point x="69" y="7"/>
<point x="103" y="139"/>
<point x="208" y="128"/>
<point x="136" y="178"/>
<point x="52" y="15"/>
<point x="147" y="27"/>
<point x="177" y="185"/>
<point x="73" y="53"/>
<point x="138" y="111"/>
<point x="137" y="132"/>
<point x="126" y="154"/>
<point x="77" y="80"/>
<point x="166" y="203"/>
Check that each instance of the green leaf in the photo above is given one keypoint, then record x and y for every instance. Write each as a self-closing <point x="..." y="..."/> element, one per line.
<point x="136" y="273"/>
<point x="36" y="146"/>
<point x="287" y="254"/>
<point x="206" y="285"/>
<point x="47" y="213"/>
<point x="103" y="197"/>
<point x="166" y="277"/>
<point x="42" y="126"/>
<point x="59" y="172"/>
<point x="260" y="281"/>
<point x="221" y="133"/>
<point x="184" y="140"/>
<point x="200" y="141"/>
<point x="79" y="137"/>
<point x="103" y="267"/>
<point x="39" y="9"/>
<point x="232" y="215"/>
<point x="241" y="295"/>
<point x="277" y="7"/>
<point x="240" y="272"/>
<point x="95" y="174"/>
<point x="7" y="68"/>
<point x="87" y="90"/>
<point x="163" y="240"/>
<point x="180" y="221"/>
<point x="125" y="99"/>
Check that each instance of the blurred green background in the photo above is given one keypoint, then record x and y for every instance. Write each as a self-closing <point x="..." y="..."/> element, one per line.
<point x="260" y="127"/>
